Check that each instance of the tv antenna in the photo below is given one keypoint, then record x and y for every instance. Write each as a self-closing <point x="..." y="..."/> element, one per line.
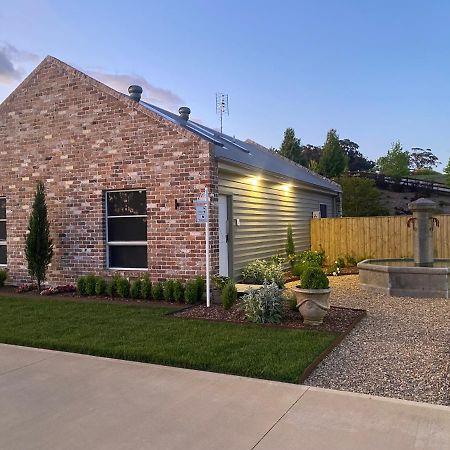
<point x="222" y="107"/>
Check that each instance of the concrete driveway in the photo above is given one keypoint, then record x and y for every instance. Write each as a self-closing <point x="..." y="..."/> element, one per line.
<point x="54" y="400"/>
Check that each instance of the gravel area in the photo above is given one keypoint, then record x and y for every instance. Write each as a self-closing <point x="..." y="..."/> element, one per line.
<point x="401" y="349"/>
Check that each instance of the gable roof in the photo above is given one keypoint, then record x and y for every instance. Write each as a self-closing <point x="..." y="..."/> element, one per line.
<point x="250" y="154"/>
<point x="226" y="148"/>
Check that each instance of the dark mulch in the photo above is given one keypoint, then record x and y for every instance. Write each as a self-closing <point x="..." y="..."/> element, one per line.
<point x="338" y="320"/>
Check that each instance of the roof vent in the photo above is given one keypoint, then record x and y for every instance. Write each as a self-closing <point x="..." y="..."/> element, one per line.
<point x="184" y="112"/>
<point x="135" y="92"/>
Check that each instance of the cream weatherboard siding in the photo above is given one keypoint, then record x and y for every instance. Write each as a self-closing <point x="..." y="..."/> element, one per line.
<point x="264" y="206"/>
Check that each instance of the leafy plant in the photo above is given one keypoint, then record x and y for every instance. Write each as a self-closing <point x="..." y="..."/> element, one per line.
<point x="3" y="277"/>
<point x="91" y="281"/>
<point x="81" y="285"/>
<point x="259" y="271"/>
<point x="100" y="286"/>
<point x="123" y="287"/>
<point x="168" y="290"/>
<point x="290" y="300"/>
<point x="38" y="245"/>
<point x="219" y="281"/>
<point x="111" y="286"/>
<point x="314" y="278"/>
<point x="146" y="288"/>
<point x="395" y="163"/>
<point x="290" y="246"/>
<point x="350" y="261"/>
<point x="157" y="291"/>
<point x="191" y="292"/>
<point x="229" y="295"/>
<point x="263" y="305"/>
<point x="136" y="289"/>
<point x="178" y="291"/>
<point x="302" y="266"/>
<point x="307" y="259"/>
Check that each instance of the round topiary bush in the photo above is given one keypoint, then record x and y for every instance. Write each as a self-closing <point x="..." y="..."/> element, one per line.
<point x="314" y="278"/>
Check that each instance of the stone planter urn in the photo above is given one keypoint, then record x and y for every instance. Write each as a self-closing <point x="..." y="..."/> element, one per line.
<point x="313" y="304"/>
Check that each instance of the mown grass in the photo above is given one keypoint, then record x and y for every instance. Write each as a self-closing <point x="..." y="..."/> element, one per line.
<point x="146" y="334"/>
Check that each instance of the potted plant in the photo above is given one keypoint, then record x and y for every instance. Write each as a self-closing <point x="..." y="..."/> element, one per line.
<point x="313" y="295"/>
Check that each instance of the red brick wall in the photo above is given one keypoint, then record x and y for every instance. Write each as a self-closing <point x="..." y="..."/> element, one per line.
<point x="82" y="138"/>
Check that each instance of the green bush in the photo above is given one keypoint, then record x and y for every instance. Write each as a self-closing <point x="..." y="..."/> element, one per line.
<point x="200" y="283"/>
<point x="111" y="287"/>
<point x="191" y="292"/>
<point x="314" y="278"/>
<point x="263" y="305"/>
<point x="168" y="290"/>
<point x="146" y="288"/>
<point x="3" y="277"/>
<point x="123" y="287"/>
<point x="312" y="256"/>
<point x="178" y="291"/>
<point x="136" y="289"/>
<point x="302" y="266"/>
<point x="219" y="281"/>
<point x="229" y="295"/>
<point x="350" y="261"/>
<point x="259" y="271"/>
<point x="91" y="281"/>
<point x="100" y="286"/>
<point x="157" y="291"/>
<point x="81" y="285"/>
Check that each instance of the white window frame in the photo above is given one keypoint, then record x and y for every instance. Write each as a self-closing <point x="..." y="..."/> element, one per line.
<point x="4" y="242"/>
<point x="123" y="243"/>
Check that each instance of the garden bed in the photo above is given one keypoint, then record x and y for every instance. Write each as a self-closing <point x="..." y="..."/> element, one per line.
<point x="338" y="320"/>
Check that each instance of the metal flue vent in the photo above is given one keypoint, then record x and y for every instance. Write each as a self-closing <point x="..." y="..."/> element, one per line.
<point x="135" y="92"/>
<point x="184" y="112"/>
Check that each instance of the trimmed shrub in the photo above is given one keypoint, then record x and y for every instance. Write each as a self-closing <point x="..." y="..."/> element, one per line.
<point x="191" y="292"/>
<point x="259" y="271"/>
<point x="178" y="291"/>
<point x="146" y="288"/>
<point x="313" y="257"/>
<point x="168" y="290"/>
<point x="263" y="305"/>
<point x="111" y="287"/>
<point x="200" y="283"/>
<point x="81" y="285"/>
<point x="314" y="278"/>
<point x="302" y="266"/>
<point x="136" y="289"/>
<point x="123" y="287"/>
<point x="157" y="291"/>
<point x="229" y="295"/>
<point x="91" y="281"/>
<point x="100" y="286"/>
<point x="3" y="277"/>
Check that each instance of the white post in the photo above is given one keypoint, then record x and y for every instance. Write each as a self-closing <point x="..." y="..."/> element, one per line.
<point x="208" y="300"/>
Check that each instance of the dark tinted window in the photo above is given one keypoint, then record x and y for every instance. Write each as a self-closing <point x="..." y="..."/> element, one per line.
<point x="128" y="256"/>
<point x="127" y="229"/>
<point x="2" y="208"/>
<point x="128" y="203"/>
<point x="323" y="211"/>
<point x="2" y="231"/>
<point x="2" y="254"/>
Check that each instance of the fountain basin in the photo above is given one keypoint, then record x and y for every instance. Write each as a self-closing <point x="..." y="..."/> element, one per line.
<point x="401" y="278"/>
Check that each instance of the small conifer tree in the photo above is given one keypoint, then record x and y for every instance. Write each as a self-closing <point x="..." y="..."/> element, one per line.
<point x="38" y="246"/>
<point x="290" y="246"/>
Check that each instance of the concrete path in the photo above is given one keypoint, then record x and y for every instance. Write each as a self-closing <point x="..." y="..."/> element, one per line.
<point x="54" y="400"/>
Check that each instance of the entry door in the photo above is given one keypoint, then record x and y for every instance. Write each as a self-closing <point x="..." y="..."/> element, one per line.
<point x="223" y="235"/>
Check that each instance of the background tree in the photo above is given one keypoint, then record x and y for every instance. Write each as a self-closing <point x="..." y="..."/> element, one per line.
<point x="290" y="147"/>
<point x="356" y="160"/>
<point x="310" y="154"/>
<point x="447" y="171"/>
<point x="333" y="162"/>
<point x="422" y="159"/>
<point x="39" y="246"/>
<point x="360" y="197"/>
<point x="395" y="163"/>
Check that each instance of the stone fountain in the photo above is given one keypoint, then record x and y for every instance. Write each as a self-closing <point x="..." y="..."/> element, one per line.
<point x="423" y="276"/>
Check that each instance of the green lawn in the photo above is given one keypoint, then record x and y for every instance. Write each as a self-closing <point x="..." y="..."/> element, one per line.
<point x="146" y="334"/>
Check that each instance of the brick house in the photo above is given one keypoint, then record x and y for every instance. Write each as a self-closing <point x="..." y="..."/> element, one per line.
<point x="121" y="177"/>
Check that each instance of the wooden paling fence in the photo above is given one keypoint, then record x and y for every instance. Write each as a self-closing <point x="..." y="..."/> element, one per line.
<point x="374" y="237"/>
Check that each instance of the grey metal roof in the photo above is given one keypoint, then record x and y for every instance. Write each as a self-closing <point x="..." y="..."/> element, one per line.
<point x="230" y="149"/>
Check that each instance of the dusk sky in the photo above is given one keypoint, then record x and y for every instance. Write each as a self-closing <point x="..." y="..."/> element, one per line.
<point x="376" y="71"/>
